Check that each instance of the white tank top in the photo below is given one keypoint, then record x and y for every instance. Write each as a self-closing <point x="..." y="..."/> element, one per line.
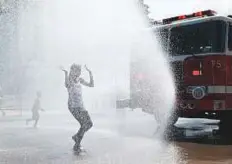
<point x="75" y="95"/>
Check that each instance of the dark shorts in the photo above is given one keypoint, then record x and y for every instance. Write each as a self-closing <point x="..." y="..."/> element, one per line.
<point x="82" y="116"/>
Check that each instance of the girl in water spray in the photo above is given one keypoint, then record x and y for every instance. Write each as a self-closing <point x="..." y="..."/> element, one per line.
<point x="73" y="84"/>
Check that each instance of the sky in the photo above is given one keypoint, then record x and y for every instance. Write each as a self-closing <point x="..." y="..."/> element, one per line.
<point x="165" y="8"/>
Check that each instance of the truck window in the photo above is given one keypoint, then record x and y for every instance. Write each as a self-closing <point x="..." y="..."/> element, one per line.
<point x="230" y="38"/>
<point x="203" y="37"/>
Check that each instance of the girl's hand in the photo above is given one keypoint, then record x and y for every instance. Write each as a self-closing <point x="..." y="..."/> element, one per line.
<point x="62" y="69"/>
<point x="87" y="69"/>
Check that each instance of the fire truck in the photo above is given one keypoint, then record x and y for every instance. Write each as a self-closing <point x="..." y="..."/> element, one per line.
<point x="199" y="46"/>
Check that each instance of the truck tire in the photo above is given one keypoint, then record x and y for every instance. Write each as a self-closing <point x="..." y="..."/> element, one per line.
<point x="225" y="125"/>
<point x="171" y="121"/>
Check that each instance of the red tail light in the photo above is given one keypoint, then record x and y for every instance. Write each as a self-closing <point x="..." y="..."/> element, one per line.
<point x="196" y="73"/>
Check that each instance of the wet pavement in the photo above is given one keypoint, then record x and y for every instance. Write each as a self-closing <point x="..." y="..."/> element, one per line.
<point x="200" y="140"/>
<point x="117" y="138"/>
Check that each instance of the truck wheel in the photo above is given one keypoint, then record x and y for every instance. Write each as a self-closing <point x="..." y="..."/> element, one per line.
<point x="171" y="130"/>
<point x="171" y="121"/>
<point x="225" y="125"/>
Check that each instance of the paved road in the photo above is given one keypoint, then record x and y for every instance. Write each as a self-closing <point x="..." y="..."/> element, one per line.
<point x="122" y="138"/>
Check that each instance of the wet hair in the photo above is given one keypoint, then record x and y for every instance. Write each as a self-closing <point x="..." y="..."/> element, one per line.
<point x="75" y="67"/>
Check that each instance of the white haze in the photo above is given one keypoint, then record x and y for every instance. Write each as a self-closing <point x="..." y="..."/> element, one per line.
<point x="101" y="34"/>
<point x="58" y="32"/>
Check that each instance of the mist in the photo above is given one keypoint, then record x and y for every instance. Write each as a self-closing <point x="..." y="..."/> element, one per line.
<point x="60" y="33"/>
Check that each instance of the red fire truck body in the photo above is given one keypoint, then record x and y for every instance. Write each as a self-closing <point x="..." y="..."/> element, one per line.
<point x="200" y="50"/>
